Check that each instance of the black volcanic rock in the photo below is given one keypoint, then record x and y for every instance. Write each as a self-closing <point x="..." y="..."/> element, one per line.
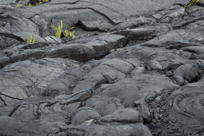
<point x="132" y="68"/>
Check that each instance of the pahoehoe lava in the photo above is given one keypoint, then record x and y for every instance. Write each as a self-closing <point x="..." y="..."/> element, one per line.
<point x="101" y="68"/>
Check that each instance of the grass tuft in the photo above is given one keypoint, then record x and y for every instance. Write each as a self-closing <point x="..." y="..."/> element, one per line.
<point x="69" y="33"/>
<point x="31" y="40"/>
<point x="58" y="29"/>
<point x="190" y="3"/>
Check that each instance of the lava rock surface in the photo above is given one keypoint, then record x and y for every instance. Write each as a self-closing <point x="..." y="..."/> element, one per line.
<point x="134" y="68"/>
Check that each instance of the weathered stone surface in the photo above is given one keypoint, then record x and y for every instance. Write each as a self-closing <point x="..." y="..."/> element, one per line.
<point x="148" y="57"/>
<point x="28" y="78"/>
<point x="188" y="72"/>
<point x="181" y="112"/>
<point x="109" y="71"/>
<point x="13" y="21"/>
<point x="13" y="127"/>
<point x="3" y="2"/>
<point x="145" y="32"/>
<point x="118" y="130"/>
<point x="122" y="115"/>
<point x="113" y="13"/>
<point x="94" y="47"/>
<point x="8" y="40"/>
<point x="104" y="105"/>
<point x="64" y="83"/>
<point x="139" y="87"/>
<point x="132" y="68"/>
<point x="177" y="39"/>
<point x="84" y="114"/>
<point x="82" y="50"/>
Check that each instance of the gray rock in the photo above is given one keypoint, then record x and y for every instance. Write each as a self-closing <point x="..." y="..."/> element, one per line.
<point x="101" y="11"/>
<point x="171" y="14"/>
<point x="177" y="39"/>
<point x="188" y="73"/>
<point x="14" y="21"/>
<point x="84" y="114"/>
<point x="137" y="129"/>
<point x="93" y="47"/>
<point x="139" y="88"/>
<point x="109" y="71"/>
<point x="185" y="110"/>
<point x="152" y="58"/>
<point x="7" y="40"/>
<point x="13" y="127"/>
<point x="25" y="79"/>
<point x="104" y="105"/>
<point x="130" y="61"/>
<point x="122" y="116"/>
<point x="145" y="32"/>
<point x="2" y="2"/>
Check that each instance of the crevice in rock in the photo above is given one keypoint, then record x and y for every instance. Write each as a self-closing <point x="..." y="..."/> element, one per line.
<point x="5" y="95"/>
<point x="70" y="3"/>
<point x="84" y="27"/>
<point x="99" y="4"/>
<point x="10" y="35"/>
<point x="35" y="45"/>
<point x="133" y="77"/>
<point x="183" y="24"/>
<point x="104" y="15"/>
<point x="14" y="110"/>
<point x="3" y="101"/>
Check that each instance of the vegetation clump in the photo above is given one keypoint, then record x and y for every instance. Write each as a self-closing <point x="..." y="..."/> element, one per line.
<point x="68" y="33"/>
<point x="31" y="40"/>
<point x="190" y="3"/>
<point x="58" y="29"/>
<point x="59" y="33"/>
<point x="35" y="3"/>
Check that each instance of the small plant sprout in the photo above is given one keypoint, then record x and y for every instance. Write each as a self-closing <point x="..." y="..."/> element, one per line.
<point x="30" y="5"/>
<point x="38" y="3"/>
<point x="69" y="33"/>
<point x="58" y="29"/>
<point x="30" y="40"/>
<point x="45" y="1"/>
<point x="190" y="3"/>
<point x="19" y="5"/>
